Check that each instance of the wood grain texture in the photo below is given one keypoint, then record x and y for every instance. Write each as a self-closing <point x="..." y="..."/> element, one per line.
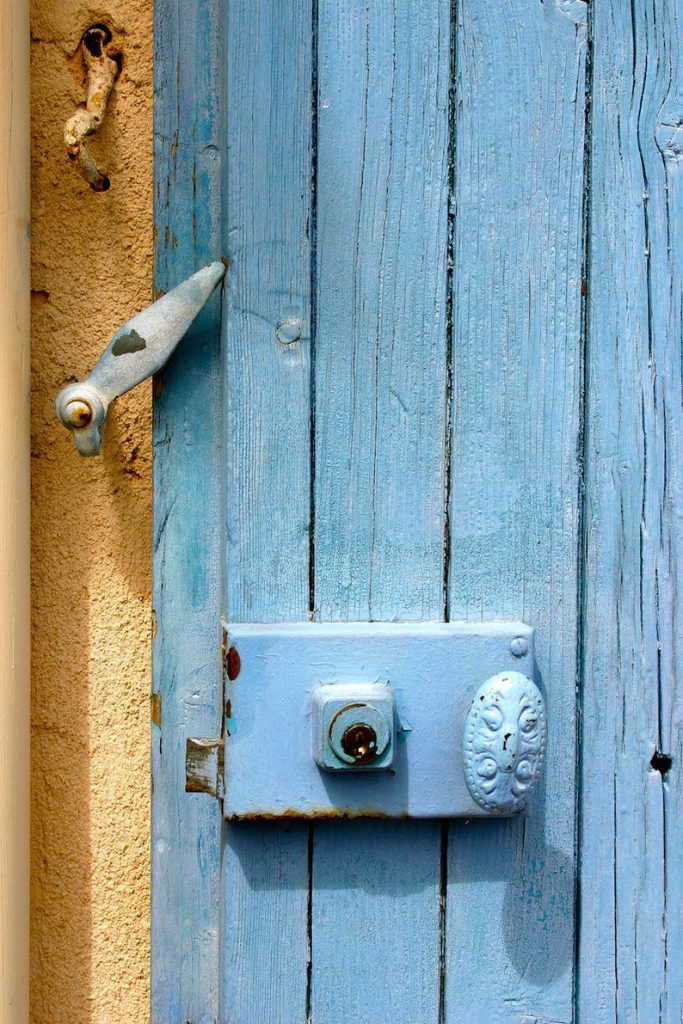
<point x="268" y="227"/>
<point x="380" y="478"/>
<point x="404" y="921"/>
<point x="380" y="370"/>
<point x="187" y="520"/>
<point x="375" y="922"/>
<point x="267" y="222"/>
<point x="265" y="923"/>
<point x="517" y="379"/>
<point x="632" y="821"/>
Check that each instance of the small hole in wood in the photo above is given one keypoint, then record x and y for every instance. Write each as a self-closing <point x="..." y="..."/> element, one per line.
<point x="661" y="762"/>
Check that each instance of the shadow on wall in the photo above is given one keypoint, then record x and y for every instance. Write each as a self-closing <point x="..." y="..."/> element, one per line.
<point x="61" y="880"/>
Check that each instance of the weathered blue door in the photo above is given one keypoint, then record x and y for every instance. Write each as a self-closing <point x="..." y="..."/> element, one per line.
<point x="442" y="383"/>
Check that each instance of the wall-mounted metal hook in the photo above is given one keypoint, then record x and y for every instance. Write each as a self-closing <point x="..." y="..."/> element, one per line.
<point x="137" y="350"/>
<point x="102" y="61"/>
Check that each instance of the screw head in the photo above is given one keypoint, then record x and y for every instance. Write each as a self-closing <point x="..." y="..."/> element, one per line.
<point x="360" y="742"/>
<point x="78" y="413"/>
<point x="519" y="646"/>
<point x="288" y="331"/>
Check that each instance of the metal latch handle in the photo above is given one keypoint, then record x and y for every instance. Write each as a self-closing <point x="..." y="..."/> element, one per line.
<point x="138" y="349"/>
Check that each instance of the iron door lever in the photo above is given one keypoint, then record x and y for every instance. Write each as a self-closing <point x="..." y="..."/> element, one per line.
<point x="138" y="349"/>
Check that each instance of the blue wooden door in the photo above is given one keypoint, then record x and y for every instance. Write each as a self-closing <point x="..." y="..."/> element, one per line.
<point x="403" y="408"/>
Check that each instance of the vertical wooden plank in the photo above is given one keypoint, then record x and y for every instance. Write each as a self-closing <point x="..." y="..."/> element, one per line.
<point x="517" y="370"/>
<point x="382" y="180"/>
<point x="268" y="226"/>
<point x="265" y="923"/>
<point x="375" y="922"/>
<point x="187" y="543"/>
<point x="267" y="458"/>
<point x="380" y="419"/>
<point x="632" y="830"/>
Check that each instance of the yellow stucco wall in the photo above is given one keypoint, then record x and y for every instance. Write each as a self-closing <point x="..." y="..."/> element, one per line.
<point x="92" y="268"/>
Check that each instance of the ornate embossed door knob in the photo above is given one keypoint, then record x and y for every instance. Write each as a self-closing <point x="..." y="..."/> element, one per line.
<point x="505" y="740"/>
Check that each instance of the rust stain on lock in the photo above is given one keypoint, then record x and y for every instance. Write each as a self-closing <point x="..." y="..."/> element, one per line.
<point x="347" y="707"/>
<point x="353" y="737"/>
<point x="229" y="720"/>
<point x="233" y="663"/>
<point x="320" y="813"/>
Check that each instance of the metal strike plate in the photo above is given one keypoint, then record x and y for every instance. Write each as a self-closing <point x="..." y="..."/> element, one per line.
<point x="433" y="671"/>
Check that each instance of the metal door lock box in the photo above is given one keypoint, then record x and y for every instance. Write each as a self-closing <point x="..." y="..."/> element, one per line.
<point x="353" y="726"/>
<point x="385" y="720"/>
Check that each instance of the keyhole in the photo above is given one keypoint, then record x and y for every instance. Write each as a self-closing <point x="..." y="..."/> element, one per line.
<point x="360" y="742"/>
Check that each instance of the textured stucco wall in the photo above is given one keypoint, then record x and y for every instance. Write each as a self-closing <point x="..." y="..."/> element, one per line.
<point x="92" y="268"/>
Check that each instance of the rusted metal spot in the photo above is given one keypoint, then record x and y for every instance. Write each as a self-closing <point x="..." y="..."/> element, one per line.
<point x="127" y="343"/>
<point x="204" y="766"/>
<point x="155" y="708"/>
<point x="229" y="720"/>
<point x="103" y="64"/>
<point x="233" y="663"/>
<point x="319" y="813"/>
<point x="78" y="413"/>
<point x="347" y="707"/>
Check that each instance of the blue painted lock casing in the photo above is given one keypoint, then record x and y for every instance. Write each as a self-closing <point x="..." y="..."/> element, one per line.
<point x="278" y="761"/>
<point x="354" y="726"/>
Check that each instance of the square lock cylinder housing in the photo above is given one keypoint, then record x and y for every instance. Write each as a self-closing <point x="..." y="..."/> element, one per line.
<point x="354" y="726"/>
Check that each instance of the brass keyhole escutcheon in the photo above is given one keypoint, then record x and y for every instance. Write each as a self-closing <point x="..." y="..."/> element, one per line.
<point x="360" y="742"/>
